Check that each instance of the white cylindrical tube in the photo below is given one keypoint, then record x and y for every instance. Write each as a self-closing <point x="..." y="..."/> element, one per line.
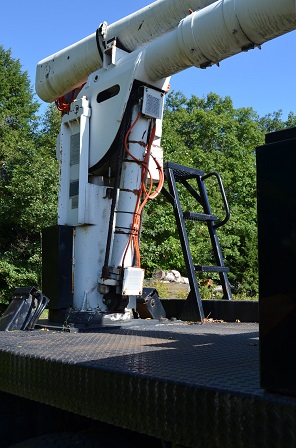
<point x="217" y="32"/>
<point x="67" y="69"/>
<point x="130" y="185"/>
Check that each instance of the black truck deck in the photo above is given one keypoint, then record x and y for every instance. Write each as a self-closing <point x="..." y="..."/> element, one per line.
<point x="194" y="384"/>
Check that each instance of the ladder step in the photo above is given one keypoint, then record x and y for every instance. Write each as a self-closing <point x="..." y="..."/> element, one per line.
<point x="199" y="216"/>
<point x="182" y="172"/>
<point x="200" y="268"/>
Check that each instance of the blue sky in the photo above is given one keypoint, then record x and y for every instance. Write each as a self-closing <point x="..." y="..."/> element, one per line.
<point x="263" y="79"/>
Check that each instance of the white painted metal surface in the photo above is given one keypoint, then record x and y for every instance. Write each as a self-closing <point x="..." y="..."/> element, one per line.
<point x="108" y="114"/>
<point x="88" y="254"/>
<point x="217" y="32"/>
<point x="73" y="155"/>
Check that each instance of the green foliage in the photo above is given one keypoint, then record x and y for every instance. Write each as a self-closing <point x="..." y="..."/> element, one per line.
<point x="18" y="108"/>
<point x="28" y="178"/>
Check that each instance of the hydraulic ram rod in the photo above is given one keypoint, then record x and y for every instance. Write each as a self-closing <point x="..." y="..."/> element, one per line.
<point x="63" y="71"/>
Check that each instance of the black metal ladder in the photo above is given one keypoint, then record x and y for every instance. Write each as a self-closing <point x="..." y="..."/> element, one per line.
<point x="175" y="173"/>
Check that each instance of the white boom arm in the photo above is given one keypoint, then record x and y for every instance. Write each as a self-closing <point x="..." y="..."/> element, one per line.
<point x="70" y="67"/>
<point x="111" y="132"/>
<point x="217" y="32"/>
<point x="207" y="36"/>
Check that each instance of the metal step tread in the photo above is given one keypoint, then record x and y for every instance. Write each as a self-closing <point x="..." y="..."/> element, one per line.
<point x="182" y="172"/>
<point x="201" y="268"/>
<point x="192" y="216"/>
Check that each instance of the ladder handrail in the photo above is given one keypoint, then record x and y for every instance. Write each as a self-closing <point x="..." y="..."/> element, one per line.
<point x="223" y="194"/>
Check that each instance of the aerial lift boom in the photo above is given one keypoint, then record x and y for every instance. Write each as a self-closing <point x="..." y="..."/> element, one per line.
<point x="111" y="87"/>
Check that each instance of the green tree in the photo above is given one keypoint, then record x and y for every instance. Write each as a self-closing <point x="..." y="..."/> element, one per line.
<point x="28" y="177"/>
